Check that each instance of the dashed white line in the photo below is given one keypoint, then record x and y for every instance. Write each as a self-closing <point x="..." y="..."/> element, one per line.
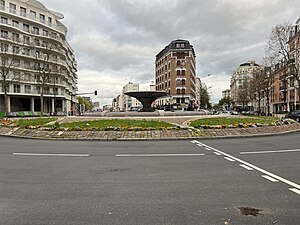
<point x="50" y="154"/>
<point x="295" y="190"/>
<point x="265" y="152"/>
<point x="229" y="159"/>
<point x="269" y="178"/>
<point x="208" y="149"/>
<point x="200" y="145"/>
<point x="293" y="184"/>
<point x="217" y="153"/>
<point x="157" y="155"/>
<point x="246" y="167"/>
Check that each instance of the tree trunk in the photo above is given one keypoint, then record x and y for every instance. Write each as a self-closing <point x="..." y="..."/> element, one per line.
<point x="6" y="102"/>
<point x="42" y="104"/>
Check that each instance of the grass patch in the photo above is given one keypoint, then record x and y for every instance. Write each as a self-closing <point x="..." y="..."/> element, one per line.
<point x="117" y="124"/>
<point x="25" y="123"/>
<point x="228" y="122"/>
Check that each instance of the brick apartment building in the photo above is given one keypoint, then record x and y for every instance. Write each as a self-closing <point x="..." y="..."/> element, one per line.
<point x="175" y="73"/>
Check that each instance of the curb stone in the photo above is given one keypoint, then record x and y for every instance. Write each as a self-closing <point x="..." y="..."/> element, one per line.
<point x="187" y="134"/>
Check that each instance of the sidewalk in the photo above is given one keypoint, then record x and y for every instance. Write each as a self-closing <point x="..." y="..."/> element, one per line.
<point x="186" y="133"/>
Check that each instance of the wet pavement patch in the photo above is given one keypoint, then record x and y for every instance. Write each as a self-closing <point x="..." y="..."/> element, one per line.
<point x="250" y="211"/>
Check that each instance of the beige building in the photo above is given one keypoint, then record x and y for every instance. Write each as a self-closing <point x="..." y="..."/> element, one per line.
<point x="35" y="53"/>
<point x="175" y="73"/>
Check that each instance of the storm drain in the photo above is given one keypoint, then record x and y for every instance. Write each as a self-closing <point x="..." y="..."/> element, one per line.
<point x="247" y="211"/>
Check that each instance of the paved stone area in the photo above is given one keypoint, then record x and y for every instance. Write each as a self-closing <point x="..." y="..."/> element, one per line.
<point x="186" y="133"/>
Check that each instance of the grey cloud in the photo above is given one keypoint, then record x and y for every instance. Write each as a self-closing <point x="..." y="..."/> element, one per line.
<point x="122" y="37"/>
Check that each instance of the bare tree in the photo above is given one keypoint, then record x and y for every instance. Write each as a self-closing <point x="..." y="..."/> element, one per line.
<point x="44" y="68"/>
<point x="244" y="93"/>
<point x="279" y="49"/>
<point x="204" y="97"/>
<point x="9" y="64"/>
<point x="260" y="87"/>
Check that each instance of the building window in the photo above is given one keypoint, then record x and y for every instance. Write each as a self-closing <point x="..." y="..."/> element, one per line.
<point x="178" y="91"/>
<point x="12" y="8"/>
<point x="2" y="4"/>
<point x="37" y="90"/>
<point x="26" y="40"/>
<point x="45" y="32"/>
<point x="4" y="20"/>
<point x="15" y="37"/>
<point x="4" y="47"/>
<point x="16" y="62"/>
<point x="42" y="18"/>
<point x="183" y="91"/>
<point x="25" y="27"/>
<point x="32" y="14"/>
<point x="46" y="90"/>
<point x="183" y="82"/>
<point x="26" y="64"/>
<point x="37" y="42"/>
<point x="4" y="34"/>
<point x="27" y="89"/>
<point x="50" y="21"/>
<point x="55" y="91"/>
<point x="178" y="73"/>
<point x="35" y="30"/>
<point x="16" y="49"/>
<point x="15" y="23"/>
<point x="26" y="51"/>
<point x="177" y="82"/>
<point x="23" y="11"/>
<point x="183" y="73"/>
<point x="17" y="88"/>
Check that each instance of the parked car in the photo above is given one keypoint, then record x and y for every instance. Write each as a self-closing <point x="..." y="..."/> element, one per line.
<point x="295" y="115"/>
<point x="234" y="112"/>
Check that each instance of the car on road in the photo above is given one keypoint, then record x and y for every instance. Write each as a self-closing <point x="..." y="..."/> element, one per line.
<point x="295" y="115"/>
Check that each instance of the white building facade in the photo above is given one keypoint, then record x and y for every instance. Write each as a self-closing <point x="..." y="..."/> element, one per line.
<point x="35" y="58"/>
<point x="129" y="103"/>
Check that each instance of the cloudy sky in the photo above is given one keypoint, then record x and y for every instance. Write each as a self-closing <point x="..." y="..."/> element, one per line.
<point x="115" y="41"/>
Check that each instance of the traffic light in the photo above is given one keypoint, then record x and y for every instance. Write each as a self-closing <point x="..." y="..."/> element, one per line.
<point x="95" y="92"/>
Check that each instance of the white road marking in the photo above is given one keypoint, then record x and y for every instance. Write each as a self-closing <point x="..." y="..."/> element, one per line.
<point x="217" y="153"/>
<point x="208" y="149"/>
<point x="269" y="178"/>
<point x="265" y="152"/>
<point x="229" y="159"/>
<point x="246" y="167"/>
<point x="50" y="154"/>
<point x="295" y="190"/>
<point x="157" y="155"/>
<point x="195" y="141"/>
<point x="293" y="184"/>
<point x="200" y="145"/>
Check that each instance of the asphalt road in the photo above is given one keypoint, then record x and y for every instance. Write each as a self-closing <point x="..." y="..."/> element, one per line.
<point x="156" y="182"/>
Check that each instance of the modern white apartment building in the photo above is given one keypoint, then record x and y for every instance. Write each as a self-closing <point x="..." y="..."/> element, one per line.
<point x="129" y="103"/>
<point x="35" y="59"/>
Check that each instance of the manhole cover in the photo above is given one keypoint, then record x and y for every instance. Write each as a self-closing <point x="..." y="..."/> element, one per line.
<point x="250" y="211"/>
